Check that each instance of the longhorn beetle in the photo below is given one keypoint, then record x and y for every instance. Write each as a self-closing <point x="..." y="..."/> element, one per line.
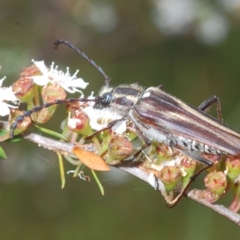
<point x="161" y="117"/>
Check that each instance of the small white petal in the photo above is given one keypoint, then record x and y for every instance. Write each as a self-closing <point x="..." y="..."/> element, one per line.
<point x="40" y="80"/>
<point x="79" y="83"/>
<point x="96" y="126"/>
<point x="91" y="97"/>
<point x="41" y="66"/>
<point x="4" y="109"/>
<point x="1" y="81"/>
<point x="152" y="180"/>
<point x="171" y="163"/>
<point x="8" y="95"/>
<point x="73" y="122"/>
<point x="120" y="127"/>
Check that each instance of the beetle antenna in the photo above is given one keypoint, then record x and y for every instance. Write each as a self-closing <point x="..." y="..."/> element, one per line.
<point x="83" y="55"/>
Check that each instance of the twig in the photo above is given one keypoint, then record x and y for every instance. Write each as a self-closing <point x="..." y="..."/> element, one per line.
<point x="66" y="148"/>
<point x="222" y="210"/>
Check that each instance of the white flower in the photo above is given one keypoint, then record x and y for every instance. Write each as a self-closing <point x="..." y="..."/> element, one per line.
<point x="6" y="94"/>
<point x="100" y="118"/>
<point x="65" y="80"/>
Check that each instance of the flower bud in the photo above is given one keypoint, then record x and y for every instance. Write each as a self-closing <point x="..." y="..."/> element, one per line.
<point x="163" y="152"/>
<point x="233" y="173"/>
<point x="24" y="87"/>
<point x="23" y="125"/>
<point x="233" y="168"/>
<point x="235" y="205"/>
<point x="131" y="131"/>
<point x="170" y="177"/>
<point x="216" y="182"/>
<point x="188" y="167"/>
<point x="50" y="93"/>
<point x="119" y="148"/>
<point x="79" y="123"/>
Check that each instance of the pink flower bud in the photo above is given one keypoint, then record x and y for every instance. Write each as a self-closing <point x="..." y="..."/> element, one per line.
<point x="216" y="182"/>
<point x="171" y="177"/>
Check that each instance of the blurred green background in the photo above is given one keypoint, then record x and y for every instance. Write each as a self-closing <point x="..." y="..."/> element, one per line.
<point x="191" y="47"/>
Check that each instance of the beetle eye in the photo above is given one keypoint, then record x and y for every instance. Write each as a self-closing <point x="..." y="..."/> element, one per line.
<point x="106" y="99"/>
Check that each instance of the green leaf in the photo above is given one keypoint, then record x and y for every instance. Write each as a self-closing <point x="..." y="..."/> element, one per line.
<point x="50" y="132"/>
<point x="61" y="168"/>
<point x="98" y="182"/>
<point x="2" y="153"/>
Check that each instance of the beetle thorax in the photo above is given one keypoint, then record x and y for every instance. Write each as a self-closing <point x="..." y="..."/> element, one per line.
<point x="120" y="99"/>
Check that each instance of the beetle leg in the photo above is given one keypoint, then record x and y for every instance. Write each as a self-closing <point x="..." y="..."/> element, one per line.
<point x="208" y="103"/>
